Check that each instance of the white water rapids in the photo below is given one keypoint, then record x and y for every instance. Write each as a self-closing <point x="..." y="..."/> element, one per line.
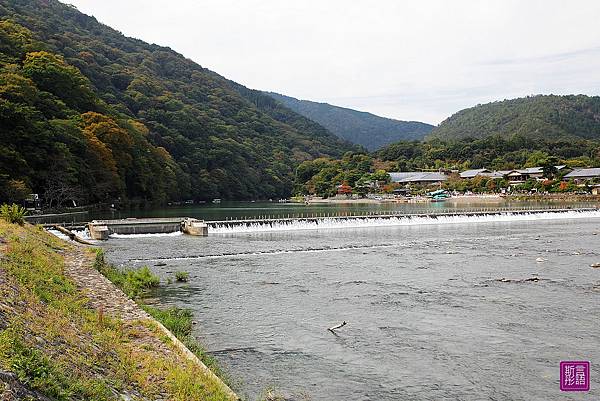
<point x="337" y="223"/>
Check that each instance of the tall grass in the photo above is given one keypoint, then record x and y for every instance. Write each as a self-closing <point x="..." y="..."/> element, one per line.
<point x="13" y="214"/>
<point x="133" y="282"/>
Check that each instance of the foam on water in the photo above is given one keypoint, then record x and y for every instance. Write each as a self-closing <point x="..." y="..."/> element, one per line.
<point x="333" y="223"/>
<point x="262" y="253"/>
<point x="83" y="234"/>
<point x="58" y="234"/>
<point x="172" y="234"/>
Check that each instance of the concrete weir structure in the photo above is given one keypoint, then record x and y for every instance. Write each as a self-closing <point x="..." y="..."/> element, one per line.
<point x="101" y="229"/>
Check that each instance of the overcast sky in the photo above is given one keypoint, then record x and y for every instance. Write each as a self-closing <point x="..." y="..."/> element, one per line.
<point x="411" y="60"/>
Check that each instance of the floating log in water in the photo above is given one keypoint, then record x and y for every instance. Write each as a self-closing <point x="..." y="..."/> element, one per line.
<point x="534" y="279"/>
<point x="72" y="235"/>
<point x="332" y="329"/>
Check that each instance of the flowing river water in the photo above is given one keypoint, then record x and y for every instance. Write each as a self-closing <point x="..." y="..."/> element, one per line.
<point x="456" y="309"/>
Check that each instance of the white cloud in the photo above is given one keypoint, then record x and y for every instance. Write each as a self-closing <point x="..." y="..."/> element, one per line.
<point x="414" y="60"/>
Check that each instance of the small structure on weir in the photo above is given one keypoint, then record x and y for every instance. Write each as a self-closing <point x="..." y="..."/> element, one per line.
<point x="102" y="229"/>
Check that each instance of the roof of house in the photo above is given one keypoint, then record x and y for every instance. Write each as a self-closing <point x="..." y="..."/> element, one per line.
<point x="473" y="173"/>
<point x="532" y="170"/>
<point x="493" y="174"/>
<point x="417" y="176"/>
<point x="584" y="173"/>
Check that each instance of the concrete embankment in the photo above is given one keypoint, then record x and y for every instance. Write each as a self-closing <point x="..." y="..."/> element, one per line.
<point x="66" y="332"/>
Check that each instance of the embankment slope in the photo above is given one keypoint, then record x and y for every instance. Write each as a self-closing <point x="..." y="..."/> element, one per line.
<point x="66" y="333"/>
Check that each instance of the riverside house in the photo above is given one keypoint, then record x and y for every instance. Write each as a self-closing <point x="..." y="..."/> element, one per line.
<point x="514" y="177"/>
<point x="482" y="172"/>
<point x="582" y="175"/>
<point x="418" y="177"/>
<point x="467" y="174"/>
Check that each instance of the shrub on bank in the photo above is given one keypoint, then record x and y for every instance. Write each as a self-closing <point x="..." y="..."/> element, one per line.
<point x="13" y="214"/>
<point x="132" y="282"/>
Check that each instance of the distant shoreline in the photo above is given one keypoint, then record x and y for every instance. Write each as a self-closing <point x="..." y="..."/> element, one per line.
<point x="488" y="198"/>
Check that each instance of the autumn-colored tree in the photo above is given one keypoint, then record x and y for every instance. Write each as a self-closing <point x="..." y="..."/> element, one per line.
<point x="17" y="191"/>
<point x="388" y="188"/>
<point x="344" y="189"/>
<point x="117" y="139"/>
<point x="15" y="39"/>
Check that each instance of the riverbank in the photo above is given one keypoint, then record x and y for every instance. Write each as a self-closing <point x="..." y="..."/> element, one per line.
<point x="554" y="197"/>
<point x="465" y="199"/>
<point x="67" y="333"/>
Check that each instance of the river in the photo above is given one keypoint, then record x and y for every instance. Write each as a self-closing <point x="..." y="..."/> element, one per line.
<point x="468" y="309"/>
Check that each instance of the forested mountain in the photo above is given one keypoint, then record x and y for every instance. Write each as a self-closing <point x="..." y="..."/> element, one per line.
<point x="543" y="116"/>
<point x="366" y="129"/>
<point x="88" y="114"/>
<point x="494" y="152"/>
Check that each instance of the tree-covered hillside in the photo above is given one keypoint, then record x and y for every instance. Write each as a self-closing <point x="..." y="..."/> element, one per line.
<point x="366" y="129"/>
<point x="543" y="116"/>
<point x="90" y="115"/>
<point x="493" y="152"/>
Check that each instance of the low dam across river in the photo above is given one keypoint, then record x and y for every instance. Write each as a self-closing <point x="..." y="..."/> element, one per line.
<point x="103" y="229"/>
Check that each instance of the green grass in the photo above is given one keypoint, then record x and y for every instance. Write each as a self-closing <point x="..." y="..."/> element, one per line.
<point x="182" y="277"/>
<point x="38" y="372"/>
<point x="57" y="345"/>
<point x="133" y="282"/>
<point x="177" y="320"/>
<point x="13" y="214"/>
<point x="33" y="264"/>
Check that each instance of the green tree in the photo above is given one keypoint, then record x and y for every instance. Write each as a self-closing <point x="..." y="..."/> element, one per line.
<point x="51" y="73"/>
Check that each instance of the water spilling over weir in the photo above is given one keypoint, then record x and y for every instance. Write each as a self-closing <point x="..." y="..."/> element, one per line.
<point x="316" y="222"/>
<point x="322" y="221"/>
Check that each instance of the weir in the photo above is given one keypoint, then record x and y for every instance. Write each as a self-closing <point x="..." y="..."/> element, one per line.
<point x="376" y="219"/>
<point x="101" y="229"/>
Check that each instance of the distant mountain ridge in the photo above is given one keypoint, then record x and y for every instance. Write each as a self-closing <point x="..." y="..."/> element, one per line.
<point x="542" y="116"/>
<point x="362" y="128"/>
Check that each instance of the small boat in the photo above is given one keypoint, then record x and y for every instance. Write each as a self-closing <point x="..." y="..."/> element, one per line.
<point x="216" y="201"/>
<point x="439" y="196"/>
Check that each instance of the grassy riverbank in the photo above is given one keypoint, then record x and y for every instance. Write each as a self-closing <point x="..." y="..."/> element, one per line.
<point x="134" y="283"/>
<point x="54" y="344"/>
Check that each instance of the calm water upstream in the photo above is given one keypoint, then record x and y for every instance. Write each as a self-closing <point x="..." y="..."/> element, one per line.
<point x="428" y="317"/>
